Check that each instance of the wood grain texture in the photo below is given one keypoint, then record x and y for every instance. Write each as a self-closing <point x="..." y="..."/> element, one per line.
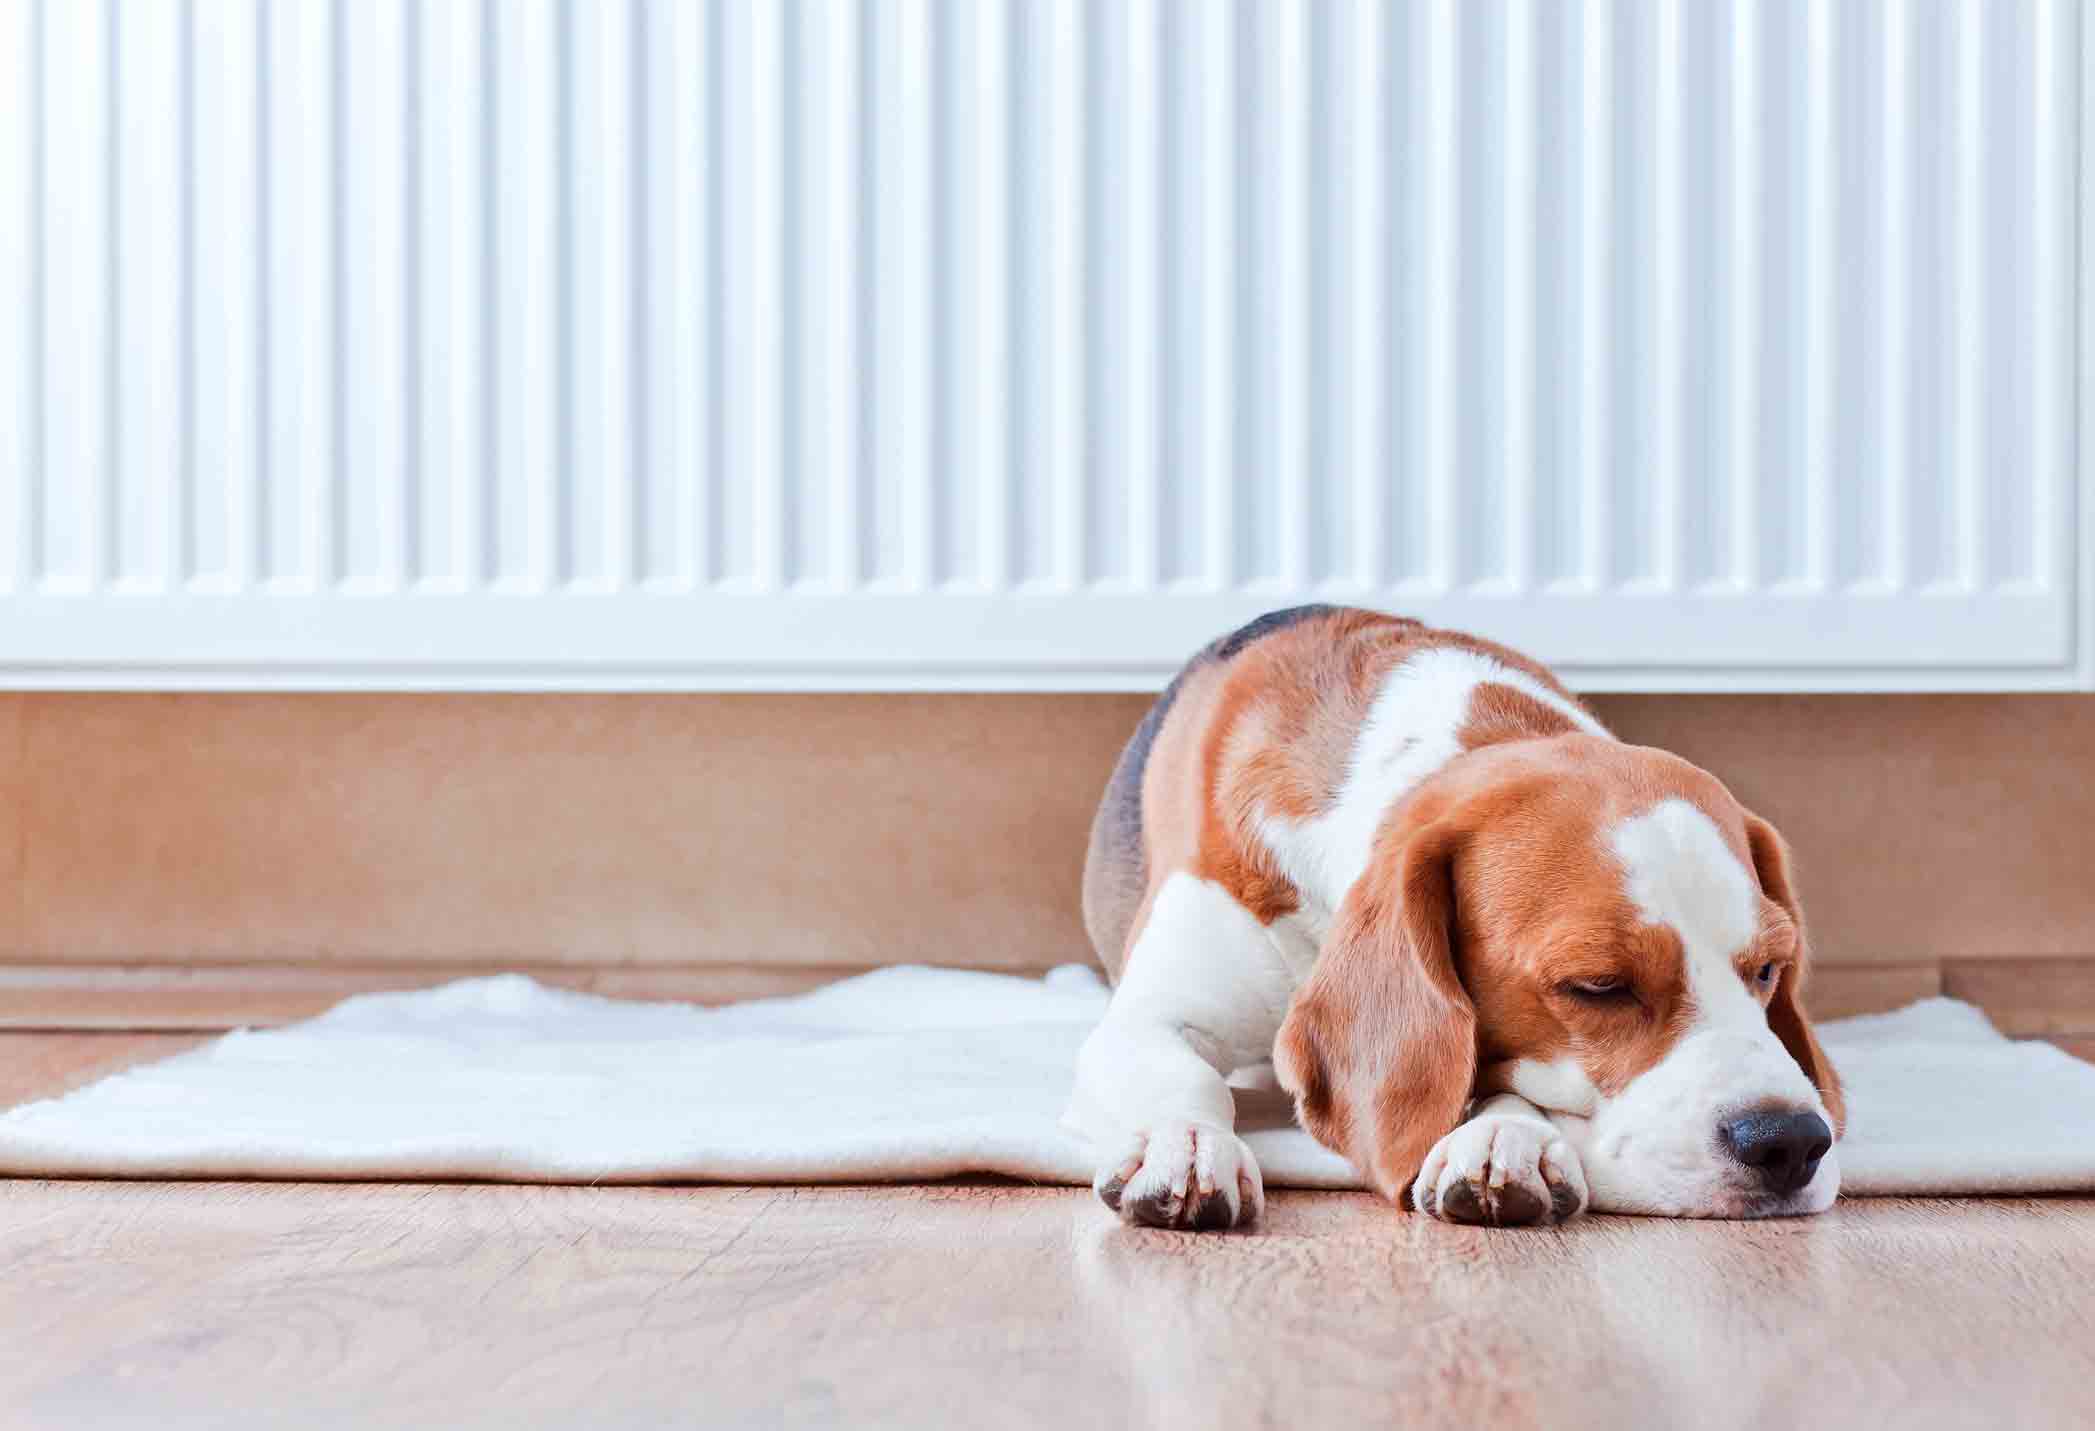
<point x="14" y="787"/>
<point x="149" y="996"/>
<point x="2025" y="997"/>
<point x="1837" y="990"/>
<point x="2028" y="997"/>
<point x="583" y="831"/>
<point x="144" y="1304"/>
<point x="489" y="831"/>
<point x="44" y="1065"/>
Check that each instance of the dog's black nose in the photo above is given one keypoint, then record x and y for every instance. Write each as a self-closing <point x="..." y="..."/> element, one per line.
<point x="1784" y="1148"/>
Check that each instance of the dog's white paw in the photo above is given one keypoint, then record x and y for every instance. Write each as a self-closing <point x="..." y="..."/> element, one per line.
<point x="1503" y="1171"/>
<point x="1197" y="1176"/>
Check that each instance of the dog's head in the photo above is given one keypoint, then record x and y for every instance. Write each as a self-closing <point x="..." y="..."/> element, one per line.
<point x="1603" y="930"/>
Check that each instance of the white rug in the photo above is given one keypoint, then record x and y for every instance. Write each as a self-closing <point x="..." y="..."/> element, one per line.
<point x="907" y="1073"/>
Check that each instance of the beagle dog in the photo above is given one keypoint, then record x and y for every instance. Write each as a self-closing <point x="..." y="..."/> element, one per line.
<point x="1509" y="966"/>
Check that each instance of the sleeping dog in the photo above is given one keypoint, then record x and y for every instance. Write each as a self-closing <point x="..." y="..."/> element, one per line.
<point x="1509" y="966"/>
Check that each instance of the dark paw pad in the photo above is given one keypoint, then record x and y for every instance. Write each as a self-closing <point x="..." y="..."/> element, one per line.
<point x="1157" y="1209"/>
<point x="1518" y="1207"/>
<point x="1509" y="1206"/>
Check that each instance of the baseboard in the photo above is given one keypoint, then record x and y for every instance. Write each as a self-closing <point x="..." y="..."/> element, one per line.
<point x="193" y="861"/>
<point x="2048" y="998"/>
<point x="142" y="998"/>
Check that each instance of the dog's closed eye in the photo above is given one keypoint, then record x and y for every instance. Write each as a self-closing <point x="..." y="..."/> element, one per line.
<point x="1604" y="989"/>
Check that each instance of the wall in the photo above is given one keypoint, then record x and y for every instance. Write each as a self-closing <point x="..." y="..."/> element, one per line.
<point x="181" y="860"/>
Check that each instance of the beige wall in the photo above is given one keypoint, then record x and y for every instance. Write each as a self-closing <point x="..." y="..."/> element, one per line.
<point x="261" y="853"/>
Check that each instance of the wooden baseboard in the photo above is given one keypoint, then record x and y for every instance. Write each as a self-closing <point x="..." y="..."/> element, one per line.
<point x="48" y="1065"/>
<point x="617" y="832"/>
<point x="2028" y="998"/>
<point x="66" y="1025"/>
<point x="163" y="997"/>
<point x="1837" y="990"/>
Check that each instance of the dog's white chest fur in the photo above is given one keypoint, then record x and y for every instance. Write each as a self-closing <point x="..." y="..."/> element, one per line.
<point x="1413" y="729"/>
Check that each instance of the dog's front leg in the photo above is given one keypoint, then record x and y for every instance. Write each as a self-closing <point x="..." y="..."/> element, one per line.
<point x="1165" y="1120"/>
<point x="1201" y="997"/>
<point x="1507" y="1166"/>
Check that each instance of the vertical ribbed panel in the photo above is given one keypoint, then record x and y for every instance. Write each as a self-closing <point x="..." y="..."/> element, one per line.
<point x="21" y="288"/>
<point x="1422" y="303"/>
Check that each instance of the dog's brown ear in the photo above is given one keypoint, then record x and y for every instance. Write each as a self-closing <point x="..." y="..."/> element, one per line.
<point x="1786" y="1014"/>
<point x="1379" y="1046"/>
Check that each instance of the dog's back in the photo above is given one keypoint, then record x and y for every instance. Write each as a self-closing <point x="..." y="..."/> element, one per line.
<point x="1117" y="868"/>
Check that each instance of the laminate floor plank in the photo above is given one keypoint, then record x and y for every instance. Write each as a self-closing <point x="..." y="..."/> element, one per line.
<point x="162" y="1304"/>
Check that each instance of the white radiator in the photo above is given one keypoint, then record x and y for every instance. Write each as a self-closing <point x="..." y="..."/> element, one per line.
<point x="819" y="343"/>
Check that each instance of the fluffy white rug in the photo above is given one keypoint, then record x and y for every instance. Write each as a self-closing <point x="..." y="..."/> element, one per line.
<point x="903" y="1074"/>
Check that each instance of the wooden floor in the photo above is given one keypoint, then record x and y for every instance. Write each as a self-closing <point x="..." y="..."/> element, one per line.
<point x="141" y="1304"/>
<point x="160" y="1304"/>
